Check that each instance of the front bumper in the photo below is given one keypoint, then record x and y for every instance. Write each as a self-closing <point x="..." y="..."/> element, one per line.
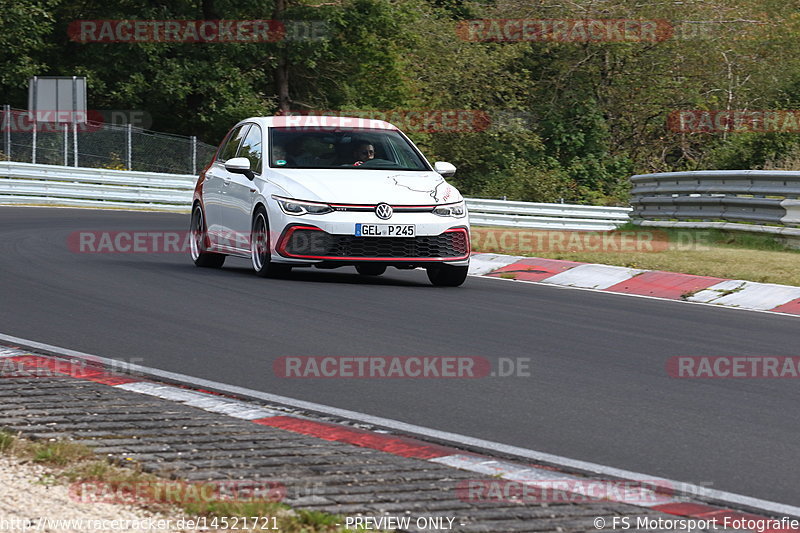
<point x="329" y="240"/>
<point x="308" y="242"/>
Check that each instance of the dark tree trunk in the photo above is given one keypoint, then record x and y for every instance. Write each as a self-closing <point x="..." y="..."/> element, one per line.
<point x="282" y="71"/>
<point x="209" y="11"/>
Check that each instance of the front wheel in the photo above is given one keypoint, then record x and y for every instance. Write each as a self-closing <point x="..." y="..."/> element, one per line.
<point x="197" y="243"/>
<point x="259" y="248"/>
<point x="370" y="269"/>
<point x="447" y="275"/>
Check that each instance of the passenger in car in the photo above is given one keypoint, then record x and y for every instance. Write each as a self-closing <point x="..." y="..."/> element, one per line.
<point x="363" y="151"/>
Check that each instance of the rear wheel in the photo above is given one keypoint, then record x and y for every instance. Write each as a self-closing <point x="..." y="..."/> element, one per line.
<point x="371" y="269"/>
<point x="197" y="246"/>
<point x="260" y="248"/>
<point x="447" y="275"/>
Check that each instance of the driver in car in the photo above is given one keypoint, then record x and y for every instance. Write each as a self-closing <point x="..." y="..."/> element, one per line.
<point x="364" y="151"/>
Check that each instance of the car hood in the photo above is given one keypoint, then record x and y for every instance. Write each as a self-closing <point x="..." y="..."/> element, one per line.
<point x="365" y="186"/>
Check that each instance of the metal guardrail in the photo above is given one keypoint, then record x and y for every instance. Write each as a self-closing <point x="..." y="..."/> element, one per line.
<point x="545" y="216"/>
<point x="26" y="183"/>
<point x="763" y="201"/>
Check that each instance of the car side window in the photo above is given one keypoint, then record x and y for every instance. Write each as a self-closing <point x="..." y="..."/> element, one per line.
<point x="232" y="144"/>
<point x="251" y="148"/>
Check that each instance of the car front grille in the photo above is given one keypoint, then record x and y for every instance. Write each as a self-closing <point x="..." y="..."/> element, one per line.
<point x="315" y="243"/>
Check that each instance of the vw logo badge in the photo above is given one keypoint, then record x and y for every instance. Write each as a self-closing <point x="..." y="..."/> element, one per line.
<point x="383" y="211"/>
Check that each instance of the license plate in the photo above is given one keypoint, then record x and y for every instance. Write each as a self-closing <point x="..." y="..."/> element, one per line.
<point x="385" y="230"/>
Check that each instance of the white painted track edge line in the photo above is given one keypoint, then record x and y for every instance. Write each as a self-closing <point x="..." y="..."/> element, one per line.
<point x="202" y="400"/>
<point x="454" y="438"/>
<point x="625" y="294"/>
<point x="508" y="471"/>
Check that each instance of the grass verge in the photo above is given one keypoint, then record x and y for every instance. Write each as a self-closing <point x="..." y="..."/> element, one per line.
<point x="93" y="479"/>
<point x="718" y="253"/>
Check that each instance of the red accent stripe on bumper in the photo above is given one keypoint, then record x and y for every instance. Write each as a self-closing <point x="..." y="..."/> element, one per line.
<point x="284" y="239"/>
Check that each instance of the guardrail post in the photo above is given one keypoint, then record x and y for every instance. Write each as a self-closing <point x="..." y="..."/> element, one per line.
<point x="75" y="142"/>
<point x="33" y="147"/>
<point x="66" y="144"/>
<point x="7" y="129"/>
<point x="194" y="154"/>
<point x="129" y="143"/>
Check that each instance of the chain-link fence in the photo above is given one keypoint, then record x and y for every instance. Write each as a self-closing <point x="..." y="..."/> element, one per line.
<point x="99" y="145"/>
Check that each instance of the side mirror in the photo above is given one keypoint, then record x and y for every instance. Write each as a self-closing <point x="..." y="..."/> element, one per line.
<point x="239" y="165"/>
<point x="445" y="169"/>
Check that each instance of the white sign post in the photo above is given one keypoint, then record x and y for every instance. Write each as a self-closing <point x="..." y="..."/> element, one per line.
<point x="60" y="100"/>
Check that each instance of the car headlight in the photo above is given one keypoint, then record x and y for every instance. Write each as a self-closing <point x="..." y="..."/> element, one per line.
<point x="299" y="207"/>
<point x="456" y="210"/>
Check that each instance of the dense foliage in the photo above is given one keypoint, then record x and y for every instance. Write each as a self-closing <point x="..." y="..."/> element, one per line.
<point x="569" y="120"/>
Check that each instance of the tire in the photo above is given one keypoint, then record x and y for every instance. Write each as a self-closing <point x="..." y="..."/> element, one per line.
<point x="260" y="248"/>
<point x="371" y="269"/>
<point x="447" y="275"/>
<point x="197" y="245"/>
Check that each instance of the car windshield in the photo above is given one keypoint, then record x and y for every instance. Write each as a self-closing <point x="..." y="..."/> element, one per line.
<point x="355" y="148"/>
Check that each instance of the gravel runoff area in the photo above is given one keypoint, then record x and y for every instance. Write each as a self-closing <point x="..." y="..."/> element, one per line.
<point x="179" y="441"/>
<point x="33" y="501"/>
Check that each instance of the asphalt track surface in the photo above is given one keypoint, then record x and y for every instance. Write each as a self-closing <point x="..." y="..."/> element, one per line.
<point x="598" y="389"/>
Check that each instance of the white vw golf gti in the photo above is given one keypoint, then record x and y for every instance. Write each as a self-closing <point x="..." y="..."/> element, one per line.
<point x="329" y="192"/>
